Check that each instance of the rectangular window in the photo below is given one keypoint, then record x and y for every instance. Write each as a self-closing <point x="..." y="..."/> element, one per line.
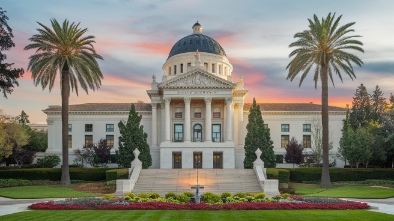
<point x="307" y="141"/>
<point x="216" y="112"/>
<point x="177" y="160"/>
<point x="70" y="128"/>
<point x="218" y="160"/>
<point x="109" y="128"/>
<point x="225" y="70"/>
<point x="197" y="112"/>
<point x="284" y="140"/>
<point x="88" y="140"/>
<point x="220" y="69"/>
<point x="178" y="133"/>
<point x="181" y="68"/>
<point x="110" y="140"/>
<point x="216" y="128"/>
<point x="306" y="128"/>
<point x="169" y="70"/>
<point x="206" y="66"/>
<point x="285" y="128"/>
<point x="178" y="112"/>
<point x="70" y="141"/>
<point x="174" y="69"/>
<point x="213" y="68"/>
<point x="88" y="127"/>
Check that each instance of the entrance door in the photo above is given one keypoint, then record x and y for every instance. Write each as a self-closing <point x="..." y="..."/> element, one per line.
<point x="177" y="160"/>
<point x="197" y="160"/>
<point x="218" y="160"/>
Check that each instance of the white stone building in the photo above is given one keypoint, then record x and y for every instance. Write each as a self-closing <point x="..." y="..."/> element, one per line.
<point x="197" y="116"/>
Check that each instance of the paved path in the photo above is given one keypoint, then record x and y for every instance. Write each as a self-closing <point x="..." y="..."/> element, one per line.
<point x="9" y="206"/>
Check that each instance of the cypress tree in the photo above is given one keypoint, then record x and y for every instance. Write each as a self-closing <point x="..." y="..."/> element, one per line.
<point x="361" y="110"/>
<point x="258" y="137"/>
<point x="132" y="137"/>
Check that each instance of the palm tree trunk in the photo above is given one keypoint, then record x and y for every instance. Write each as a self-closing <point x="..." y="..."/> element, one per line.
<point x="65" y="180"/>
<point x="325" y="177"/>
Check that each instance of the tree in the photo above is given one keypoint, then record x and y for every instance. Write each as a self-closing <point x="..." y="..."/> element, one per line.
<point x="361" y="108"/>
<point x="388" y="128"/>
<point x="317" y="142"/>
<point x="391" y="101"/>
<point x="38" y="140"/>
<point x="22" y="156"/>
<point x="8" y="75"/>
<point x="12" y="136"/>
<point x="133" y="137"/>
<point x="378" y="105"/>
<point x="64" y="51"/>
<point x="23" y="118"/>
<point x="324" y="47"/>
<point x="294" y="153"/>
<point x="345" y="141"/>
<point x="258" y="137"/>
<point x="103" y="153"/>
<point x="360" y="147"/>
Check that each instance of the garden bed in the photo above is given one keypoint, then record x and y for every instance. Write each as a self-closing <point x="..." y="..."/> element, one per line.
<point x="294" y="203"/>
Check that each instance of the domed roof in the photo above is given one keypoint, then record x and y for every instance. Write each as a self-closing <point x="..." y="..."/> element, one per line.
<point x="197" y="41"/>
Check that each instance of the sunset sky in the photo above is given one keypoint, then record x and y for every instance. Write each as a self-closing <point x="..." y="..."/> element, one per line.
<point x="135" y="37"/>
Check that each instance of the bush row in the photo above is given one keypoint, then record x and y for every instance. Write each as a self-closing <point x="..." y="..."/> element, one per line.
<point x="283" y="175"/>
<point x="54" y="174"/>
<point x="115" y="174"/>
<point x="341" y="174"/>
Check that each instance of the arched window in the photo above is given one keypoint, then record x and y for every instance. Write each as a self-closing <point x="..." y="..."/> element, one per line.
<point x="197" y="133"/>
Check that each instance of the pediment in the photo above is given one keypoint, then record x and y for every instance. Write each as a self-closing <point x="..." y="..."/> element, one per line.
<point x="197" y="78"/>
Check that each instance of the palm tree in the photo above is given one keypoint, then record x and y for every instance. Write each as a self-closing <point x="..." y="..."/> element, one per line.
<point x="63" y="50"/>
<point x="323" y="47"/>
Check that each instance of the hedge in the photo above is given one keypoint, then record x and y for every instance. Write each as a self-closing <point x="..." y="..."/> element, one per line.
<point x="54" y="174"/>
<point x="115" y="174"/>
<point x="341" y="174"/>
<point x="282" y="175"/>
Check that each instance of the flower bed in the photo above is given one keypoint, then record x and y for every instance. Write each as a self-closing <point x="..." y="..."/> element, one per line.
<point x="294" y="203"/>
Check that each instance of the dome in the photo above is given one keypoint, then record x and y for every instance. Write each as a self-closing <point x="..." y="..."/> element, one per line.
<point x="197" y="41"/>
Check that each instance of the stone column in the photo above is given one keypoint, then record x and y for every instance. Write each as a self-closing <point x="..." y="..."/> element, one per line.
<point x="208" y="119"/>
<point x="167" y="101"/>
<point x="229" y="115"/>
<point x="187" y="119"/>
<point x="240" y="112"/>
<point x="154" y="125"/>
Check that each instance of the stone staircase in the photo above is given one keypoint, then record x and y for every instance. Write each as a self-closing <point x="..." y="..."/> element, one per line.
<point x="217" y="181"/>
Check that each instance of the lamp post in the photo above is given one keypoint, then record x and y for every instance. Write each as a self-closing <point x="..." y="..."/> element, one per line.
<point x="197" y="199"/>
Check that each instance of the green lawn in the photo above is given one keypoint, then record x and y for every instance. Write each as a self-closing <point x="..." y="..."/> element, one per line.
<point x="150" y="215"/>
<point x="360" y="192"/>
<point x="39" y="192"/>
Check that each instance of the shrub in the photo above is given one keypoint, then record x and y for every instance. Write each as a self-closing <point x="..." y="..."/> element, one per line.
<point x="13" y="182"/>
<point x="143" y="195"/>
<point x="49" y="161"/>
<point x="260" y="195"/>
<point x="109" y="197"/>
<point x="170" y="195"/>
<point x="209" y="197"/>
<point x="189" y="194"/>
<point x="111" y="183"/>
<point x="130" y="195"/>
<point x="154" y="195"/>
<point x="182" y="198"/>
<point x="115" y="174"/>
<point x="225" y="195"/>
<point x="283" y="175"/>
<point x="240" y="195"/>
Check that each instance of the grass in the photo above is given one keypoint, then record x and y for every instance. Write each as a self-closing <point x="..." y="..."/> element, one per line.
<point x="266" y="215"/>
<point x="359" y="192"/>
<point x="40" y="192"/>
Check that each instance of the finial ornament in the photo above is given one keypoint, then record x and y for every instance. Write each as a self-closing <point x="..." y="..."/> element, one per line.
<point x="153" y="78"/>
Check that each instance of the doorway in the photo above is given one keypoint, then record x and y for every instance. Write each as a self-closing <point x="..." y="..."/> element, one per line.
<point x="177" y="160"/>
<point x="218" y="160"/>
<point x="197" y="160"/>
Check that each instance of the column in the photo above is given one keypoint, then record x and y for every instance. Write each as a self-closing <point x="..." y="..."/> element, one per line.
<point x="154" y="125"/>
<point x="240" y="112"/>
<point x="167" y="101"/>
<point x="187" y="118"/>
<point x="208" y="119"/>
<point x="229" y="115"/>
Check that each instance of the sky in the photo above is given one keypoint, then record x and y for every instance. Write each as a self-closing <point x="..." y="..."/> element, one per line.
<point x="135" y="37"/>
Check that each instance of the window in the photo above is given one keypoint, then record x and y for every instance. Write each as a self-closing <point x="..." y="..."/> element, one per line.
<point x="197" y="133"/>
<point x="181" y="68"/>
<point x="177" y="160"/>
<point x="70" y="128"/>
<point x="174" y="69"/>
<point x="216" y="132"/>
<point x="70" y="141"/>
<point x="307" y="141"/>
<point x="109" y="128"/>
<point x="213" y="68"/>
<point x="206" y="66"/>
<point x="306" y="128"/>
<point x="284" y="140"/>
<point x="220" y="69"/>
<point x="169" y="70"/>
<point x="178" y="112"/>
<point x="178" y="132"/>
<point x="225" y="70"/>
<point x="216" y="112"/>
<point x="265" y="126"/>
<point x="217" y="160"/>
<point x="88" y="127"/>
<point x="110" y="140"/>
<point x="197" y="112"/>
<point x="88" y="140"/>
<point x="285" y="128"/>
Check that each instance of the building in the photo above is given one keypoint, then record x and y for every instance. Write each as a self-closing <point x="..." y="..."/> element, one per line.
<point x="197" y="116"/>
